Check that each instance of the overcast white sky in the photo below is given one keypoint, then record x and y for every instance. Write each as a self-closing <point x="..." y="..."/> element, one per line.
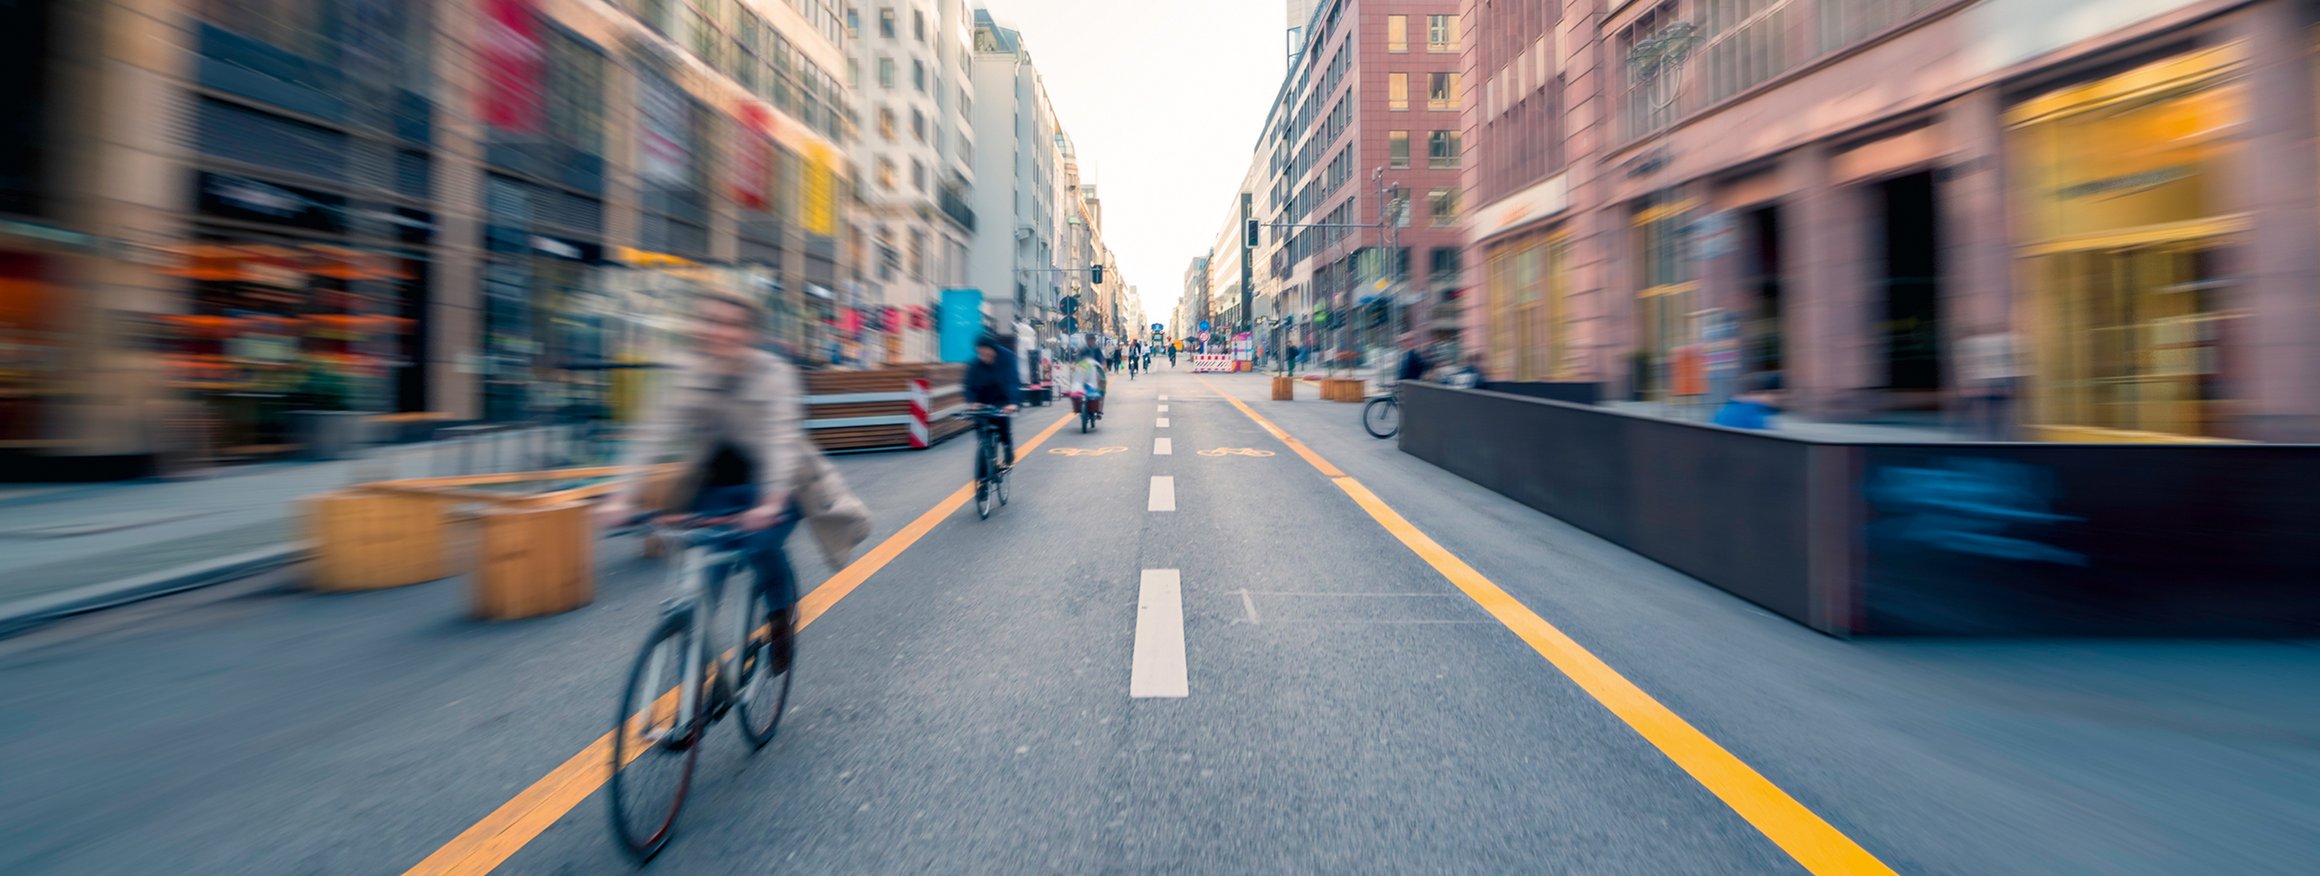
<point x="1163" y="99"/>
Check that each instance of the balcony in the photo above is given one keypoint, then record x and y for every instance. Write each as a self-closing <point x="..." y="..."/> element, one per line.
<point x="954" y="205"/>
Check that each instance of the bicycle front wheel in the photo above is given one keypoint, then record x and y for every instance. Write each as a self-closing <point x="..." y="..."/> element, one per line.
<point x="1382" y="417"/>
<point x="769" y="645"/>
<point x="983" y="482"/>
<point x="655" y="741"/>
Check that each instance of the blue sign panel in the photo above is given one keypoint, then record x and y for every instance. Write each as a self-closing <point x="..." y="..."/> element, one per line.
<point x="1204" y="325"/>
<point x="962" y="322"/>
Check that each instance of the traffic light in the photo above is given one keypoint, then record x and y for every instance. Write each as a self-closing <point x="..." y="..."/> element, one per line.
<point x="1098" y="276"/>
<point x="1251" y="235"/>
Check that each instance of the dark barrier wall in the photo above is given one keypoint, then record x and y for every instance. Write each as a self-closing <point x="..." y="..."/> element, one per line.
<point x="1726" y="507"/>
<point x="2081" y="539"/>
<point x="1925" y="539"/>
<point x="1575" y="393"/>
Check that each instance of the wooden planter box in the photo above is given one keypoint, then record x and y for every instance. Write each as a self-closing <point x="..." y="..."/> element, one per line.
<point x="536" y="561"/>
<point x="1284" y="389"/>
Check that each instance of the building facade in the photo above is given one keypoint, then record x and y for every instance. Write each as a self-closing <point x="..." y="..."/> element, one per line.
<point x="1869" y="197"/>
<point x="1369" y="131"/>
<point x="478" y="210"/>
<point x="1017" y="259"/>
<point x="913" y="163"/>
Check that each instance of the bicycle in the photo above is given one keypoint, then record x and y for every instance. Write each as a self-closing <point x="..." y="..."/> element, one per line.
<point x="678" y="686"/>
<point x="1088" y="402"/>
<point x="990" y="475"/>
<point x="1383" y="415"/>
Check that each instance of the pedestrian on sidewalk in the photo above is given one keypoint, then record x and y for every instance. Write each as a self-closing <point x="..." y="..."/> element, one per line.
<point x="1755" y="407"/>
<point x="1988" y="372"/>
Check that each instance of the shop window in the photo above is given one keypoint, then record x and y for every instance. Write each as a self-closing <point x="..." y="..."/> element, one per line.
<point x="2121" y="185"/>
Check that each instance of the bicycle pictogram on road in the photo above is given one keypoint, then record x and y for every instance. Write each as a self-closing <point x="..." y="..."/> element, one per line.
<point x="1236" y="451"/>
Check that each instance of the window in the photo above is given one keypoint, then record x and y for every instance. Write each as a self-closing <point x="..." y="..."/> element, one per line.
<point x="1401" y="206"/>
<point x="1747" y="42"/>
<point x="886" y="72"/>
<point x="886" y="174"/>
<point x="1441" y="33"/>
<point x="1397" y="91"/>
<point x="918" y="125"/>
<point x="918" y="24"/>
<point x="1444" y="266"/>
<point x="1650" y="90"/>
<point x="886" y="23"/>
<point x="918" y="174"/>
<point x="1441" y="91"/>
<point x="1398" y="149"/>
<point x="1397" y="33"/>
<point x="918" y="75"/>
<point x="1443" y="204"/>
<point x="886" y="123"/>
<point x="1442" y="149"/>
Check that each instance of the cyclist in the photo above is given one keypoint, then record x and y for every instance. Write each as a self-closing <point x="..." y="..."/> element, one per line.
<point x="731" y="414"/>
<point x="1087" y="378"/>
<point x="1135" y="359"/>
<point x="991" y="380"/>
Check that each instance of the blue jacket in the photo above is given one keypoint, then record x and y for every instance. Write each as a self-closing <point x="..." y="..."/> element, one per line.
<point x="1743" y="414"/>
<point x="993" y="384"/>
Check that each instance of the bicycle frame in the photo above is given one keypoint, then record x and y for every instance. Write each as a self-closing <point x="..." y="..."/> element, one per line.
<point x="698" y="593"/>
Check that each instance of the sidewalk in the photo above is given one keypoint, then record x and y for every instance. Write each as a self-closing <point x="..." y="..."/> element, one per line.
<point x="62" y="545"/>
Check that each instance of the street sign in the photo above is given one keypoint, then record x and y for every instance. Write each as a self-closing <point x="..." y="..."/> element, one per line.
<point x="1158" y="328"/>
<point x="1070" y="325"/>
<point x="962" y="323"/>
<point x="1204" y="325"/>
<point x="1070" y="305"/>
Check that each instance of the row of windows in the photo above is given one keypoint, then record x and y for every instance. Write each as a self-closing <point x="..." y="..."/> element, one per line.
<point x="1442" y="149"/>
<point x="1441" y="91"/>
<point x="1739" y="44"/>
<point x="731" y="38"/>
<point x="1441" y="34"/>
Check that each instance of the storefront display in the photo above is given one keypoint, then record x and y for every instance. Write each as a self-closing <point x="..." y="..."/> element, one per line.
<point x="2126" y="292"/>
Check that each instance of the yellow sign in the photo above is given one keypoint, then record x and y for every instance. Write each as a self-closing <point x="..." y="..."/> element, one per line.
<point x="821" y="191"/>
<point x="1087" y="451"/>
<point x="1237" y="451"/>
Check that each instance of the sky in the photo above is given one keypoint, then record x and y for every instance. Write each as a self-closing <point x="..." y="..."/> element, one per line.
<point x="1163" y="99"/>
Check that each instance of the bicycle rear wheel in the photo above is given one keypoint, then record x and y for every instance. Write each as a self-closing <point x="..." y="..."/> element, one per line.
<point x="766" y="659"/>
<point x="653" y="745"/>
<point x="1382" y="417"/>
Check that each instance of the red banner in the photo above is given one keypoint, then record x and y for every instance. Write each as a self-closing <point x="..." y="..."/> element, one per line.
<point x="515" y="60"/>
<point x="753" y="157"/>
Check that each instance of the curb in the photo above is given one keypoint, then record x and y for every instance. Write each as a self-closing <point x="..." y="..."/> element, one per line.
<point x="24" y="616"/>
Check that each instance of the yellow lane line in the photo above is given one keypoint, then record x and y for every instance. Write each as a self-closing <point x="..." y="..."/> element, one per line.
<point x="488" y="843"/>
<point x="1821" y="848"/>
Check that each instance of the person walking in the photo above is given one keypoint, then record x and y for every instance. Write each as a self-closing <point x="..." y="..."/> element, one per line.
<point x="1291" y="359"/>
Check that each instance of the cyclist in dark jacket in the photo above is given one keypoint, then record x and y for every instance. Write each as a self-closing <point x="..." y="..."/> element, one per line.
<point x="991" y="380"/>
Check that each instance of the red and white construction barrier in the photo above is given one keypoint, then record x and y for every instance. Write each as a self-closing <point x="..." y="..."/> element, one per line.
<point x="1212" y="363"/>
<point x="919" y="392"/>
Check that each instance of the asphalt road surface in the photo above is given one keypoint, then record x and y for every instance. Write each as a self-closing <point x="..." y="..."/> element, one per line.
<point x="1205" y="638"/>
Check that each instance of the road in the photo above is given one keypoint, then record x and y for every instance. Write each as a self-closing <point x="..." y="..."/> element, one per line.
<point x="1371" y="667"/>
